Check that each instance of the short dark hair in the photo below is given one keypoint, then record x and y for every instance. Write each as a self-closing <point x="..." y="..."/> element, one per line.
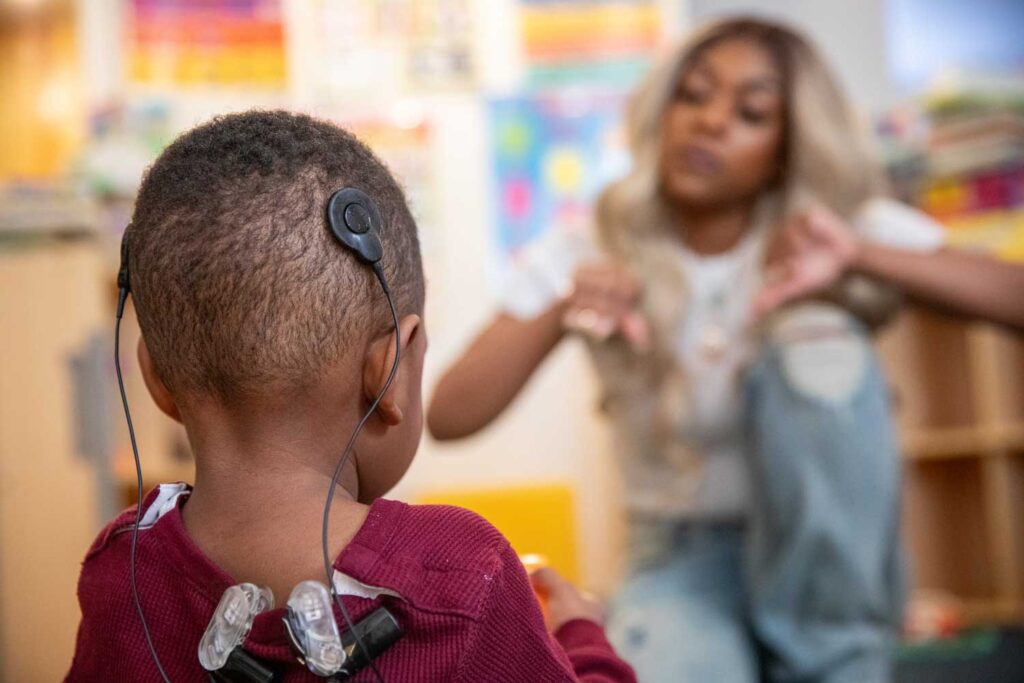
<point x="239" y="286"/>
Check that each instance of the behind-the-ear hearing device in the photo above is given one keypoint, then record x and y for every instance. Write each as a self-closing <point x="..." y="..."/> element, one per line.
<point x="124" y="285"/>
<point x="354" y="220"/>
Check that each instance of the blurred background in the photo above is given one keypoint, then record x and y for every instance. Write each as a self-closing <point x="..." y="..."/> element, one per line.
<point x="502" y="119"/>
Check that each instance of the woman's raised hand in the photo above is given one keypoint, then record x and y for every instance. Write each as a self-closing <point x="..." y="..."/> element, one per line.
<point x="604" y="302"/>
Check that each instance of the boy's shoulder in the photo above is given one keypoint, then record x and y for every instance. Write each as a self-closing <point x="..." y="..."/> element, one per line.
<point x="114" y="540"/>
<point x="109" y="618"/>
<point x="439" y="557"/>
<point x="449" y="529"/>
<point x="104" y="581"/>
<point x="104" y="584"/>
<point x="105" y="578"/>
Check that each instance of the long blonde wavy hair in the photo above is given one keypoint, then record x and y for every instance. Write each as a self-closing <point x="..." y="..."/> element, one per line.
<point x="826" y="159"/>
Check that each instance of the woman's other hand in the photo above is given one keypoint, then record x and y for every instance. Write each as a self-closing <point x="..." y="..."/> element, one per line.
<point x="812" y="253"/>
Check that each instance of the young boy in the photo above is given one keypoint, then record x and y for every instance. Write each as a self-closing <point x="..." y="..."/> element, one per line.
<point x="269" y="340"/>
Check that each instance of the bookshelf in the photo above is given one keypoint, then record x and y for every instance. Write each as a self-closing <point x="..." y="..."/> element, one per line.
<point x="958" y="154"/>
<point x="958" y="392"/>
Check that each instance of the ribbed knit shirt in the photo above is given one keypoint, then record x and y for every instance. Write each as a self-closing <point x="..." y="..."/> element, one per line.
<point x="455" y="586"/>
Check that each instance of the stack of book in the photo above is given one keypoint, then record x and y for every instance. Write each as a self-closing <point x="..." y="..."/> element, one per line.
<point x="959" y="156"/>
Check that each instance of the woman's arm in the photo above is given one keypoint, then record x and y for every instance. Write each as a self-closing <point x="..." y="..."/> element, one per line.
<point x="963" y="282"/>
<point x="814" y="253"/>
<point x="481" y="384"/>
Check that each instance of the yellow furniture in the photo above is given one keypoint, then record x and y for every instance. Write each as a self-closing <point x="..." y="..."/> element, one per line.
<point x="535" y="519"/>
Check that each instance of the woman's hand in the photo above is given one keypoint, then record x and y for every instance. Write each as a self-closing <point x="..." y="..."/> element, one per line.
<point x="604" y="302"/>
<point x="811" y="254"/>
<point x="564" y="602"/>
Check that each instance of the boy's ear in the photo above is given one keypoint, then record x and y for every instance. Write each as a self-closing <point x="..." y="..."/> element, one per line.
<point x="377" y="367"/>
<point x="157" y="389"/>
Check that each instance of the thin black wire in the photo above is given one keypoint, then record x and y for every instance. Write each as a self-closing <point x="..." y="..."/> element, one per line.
<point x="138" y="509"/>
<point x="328" y="565"/>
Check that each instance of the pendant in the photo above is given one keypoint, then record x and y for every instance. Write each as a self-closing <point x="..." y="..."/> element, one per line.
<point x="713" y="342"/>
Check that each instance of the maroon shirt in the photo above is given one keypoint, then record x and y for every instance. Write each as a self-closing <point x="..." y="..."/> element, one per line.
<point x="466" y="607"/>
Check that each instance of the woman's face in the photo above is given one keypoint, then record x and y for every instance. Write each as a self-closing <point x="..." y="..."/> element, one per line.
<point x="723" y="129"/>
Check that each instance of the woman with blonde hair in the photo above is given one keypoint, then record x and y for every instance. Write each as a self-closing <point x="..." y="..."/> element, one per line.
<point x="760" y="474"/>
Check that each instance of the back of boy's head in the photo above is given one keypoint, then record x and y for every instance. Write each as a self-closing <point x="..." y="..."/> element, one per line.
<point x="240" y="288"/>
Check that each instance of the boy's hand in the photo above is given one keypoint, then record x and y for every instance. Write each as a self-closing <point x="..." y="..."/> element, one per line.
<point x="811" y="254"/>
<point x="603" y="303"/>
<point x="564" y="601"/>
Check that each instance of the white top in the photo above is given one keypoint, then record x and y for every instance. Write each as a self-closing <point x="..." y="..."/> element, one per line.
<point x="720" y="298"/>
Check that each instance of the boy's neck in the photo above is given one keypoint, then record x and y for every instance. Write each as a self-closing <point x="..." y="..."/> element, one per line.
<point x="262" y="478"/>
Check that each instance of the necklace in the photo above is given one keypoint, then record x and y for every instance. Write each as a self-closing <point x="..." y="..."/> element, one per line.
<point x="720" y="329"/>
<point x="713" y="338"/>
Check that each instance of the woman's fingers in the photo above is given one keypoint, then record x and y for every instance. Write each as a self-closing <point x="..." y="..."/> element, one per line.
<point x="782" y="284"/>
<point x="636" y="331"/>
<point x="590" y="322"/>
<point x="603" y="302"/>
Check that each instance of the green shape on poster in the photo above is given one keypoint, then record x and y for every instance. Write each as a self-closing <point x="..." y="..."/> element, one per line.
<point x="515" y="139"/>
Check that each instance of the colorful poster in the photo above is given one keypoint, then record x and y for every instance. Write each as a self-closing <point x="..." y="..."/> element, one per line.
<point x="205" y="42"/>
<point x="440" y="49"/>
<point x="391" y="46"/>
<point x="569" y="42"/>
<point x="552" y="158"/>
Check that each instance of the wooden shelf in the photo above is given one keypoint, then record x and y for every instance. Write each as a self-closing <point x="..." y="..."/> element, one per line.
<point x="1012" y="435"/>
<point x="946" y="528"/>
<point x="962" y="442"/>
<point x="951" y="442"/>
<point x="958" y="395"/>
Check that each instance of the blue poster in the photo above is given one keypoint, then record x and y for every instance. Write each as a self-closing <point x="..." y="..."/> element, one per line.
<point x="552" y="157"/>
